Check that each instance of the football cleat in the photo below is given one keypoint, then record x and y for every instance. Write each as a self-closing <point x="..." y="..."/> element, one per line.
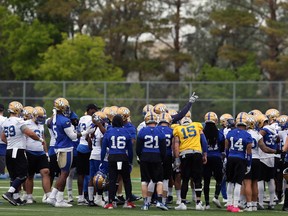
<point x="108" y="206"/>
<point x="28" y="112"/>
<point x="9" y="197"/>
<point x="236" y="209"/>
<point x="62" y="105"/>
<point x="129" y="205"/>
<point x="51" y="201"/>
<point x="145" y="207"/>
<point x="161" y="206"/>
<point x="160" y="108"/>
<point x="39" y="114"/>
<point x="15" y="107"/>
<point x="124" y="112"/>
<point x="199" y="207"/>
<point x="151" y="117"/>
<point x="211" y="117"/>
<point x="181" y="206"/>
<point x="216" y="202"/>
<point x="62" y="204"/>
<point x="165" y="117"/>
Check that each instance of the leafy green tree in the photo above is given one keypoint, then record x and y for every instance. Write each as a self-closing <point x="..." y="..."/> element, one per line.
<point x="79" y="58"/>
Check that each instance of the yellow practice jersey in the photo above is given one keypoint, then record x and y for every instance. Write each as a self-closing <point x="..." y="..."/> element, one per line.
<point x="189" y="136"/>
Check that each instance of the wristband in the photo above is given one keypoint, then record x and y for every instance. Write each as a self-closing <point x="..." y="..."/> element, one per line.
<point x="41" y="140"/>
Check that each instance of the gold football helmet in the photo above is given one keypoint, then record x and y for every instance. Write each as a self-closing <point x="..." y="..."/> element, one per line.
<point x="62" y="105"/>
<point x="109" y="113"/>
<point x="255" y="112"/>
<point x="114" y="109"/>
<point x="39" y="114"/>
<point x="185" y="121"/>
<point x="100" y="181"/>
<point x="165" y="117"/>
<point x="251" y="121"/>
<point x="150" y="117"/>
<point x="99" y="115"/>
<point x="160" y="108"/>
<point x="224" y="118"/>
<point x="211" y="117"/>
<point x="282" y="121"/>
<point x="260" y="119"/>
<point x="172" y="112"/>
<point x="147" y="108"/>
<point x="124" y="112"/>
<point x="28" y="112"/>
<point x="15" y="107"/>
<point x="241" y="119"/>
<point x="272" y="115"/>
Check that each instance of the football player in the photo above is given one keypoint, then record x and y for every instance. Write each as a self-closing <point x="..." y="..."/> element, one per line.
<point x="98" y="118"/>
<point x="285" y="175"/>
<point x="251" y="178"/>
<point x="65" y="134"/>
<point x="119" y="142"/>
<point x="238" y="145"/>
<point x="37" y="155"/>
<point x="268" y="169"/>
<point x="190" y="151"/>
<point x="83" y="155"/>
<point x="14" y="135"/>
<point x="3" y="146"/>
<point x="213" y="167"/>
<point x="151" y="150"/>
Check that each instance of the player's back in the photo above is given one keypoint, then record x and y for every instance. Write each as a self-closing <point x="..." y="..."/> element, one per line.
<point x="189" y="136"/>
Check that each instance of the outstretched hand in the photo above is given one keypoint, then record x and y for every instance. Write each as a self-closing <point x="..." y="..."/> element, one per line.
<point x="193" y="98"/>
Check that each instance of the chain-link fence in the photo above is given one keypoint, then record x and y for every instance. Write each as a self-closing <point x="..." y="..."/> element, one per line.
<point x="220" y="97"/>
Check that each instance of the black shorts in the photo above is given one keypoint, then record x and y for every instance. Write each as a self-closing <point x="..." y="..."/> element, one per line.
<point x="17" y="167"/>
<point x="151" y="171"/>
<point x="213" y="167"/>
<point x="36" y="163"/>
<point x="191" y="166"/>
<point x="254" y="174"/>
<point x="83" y="164"/>
<point x="235" y="171"/>
<point x="2" y="164"/>
<point x="167" y="167"/>
<point x="53" y="166"/>
<point x="74" y="162"/>
<point x="267" y="173"/>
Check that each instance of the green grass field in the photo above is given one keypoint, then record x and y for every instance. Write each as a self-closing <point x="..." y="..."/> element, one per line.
<point x="40" y="209"/>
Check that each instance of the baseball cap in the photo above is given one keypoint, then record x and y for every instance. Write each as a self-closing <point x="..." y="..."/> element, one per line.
<point x="92" y="106"/>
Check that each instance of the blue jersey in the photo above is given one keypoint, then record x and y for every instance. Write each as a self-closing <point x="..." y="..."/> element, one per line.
<point x="218" y="148"/>
<point x="270" y="138"/>
<point x="62" y="140"/>
<point x="151" y="144"/>
<point x="131" y="129"/>
<point x="238" y="141"/>
<point x="168" y="132"/>
<point x="119" y="142"/>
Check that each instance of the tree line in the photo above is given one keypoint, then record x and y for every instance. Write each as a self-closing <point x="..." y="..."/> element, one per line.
<point x="170" y="40"/>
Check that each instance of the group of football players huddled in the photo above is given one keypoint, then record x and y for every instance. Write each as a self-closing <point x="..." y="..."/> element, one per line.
<point x="244" y="156"/>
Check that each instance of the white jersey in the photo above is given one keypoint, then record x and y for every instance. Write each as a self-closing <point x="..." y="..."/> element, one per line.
<point x="35" y="145"/>
<point x="282" y="135"/>
<point x="255" y="148"/>
<point x="12" y="127"/>
<point x="140" y="126"/>
<point x="96" y="145"/>
<point x="2" y="119"/>
<point x="52" y="136"/>
<point x="84" y="123"/>
<point x="225" y="131"/>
